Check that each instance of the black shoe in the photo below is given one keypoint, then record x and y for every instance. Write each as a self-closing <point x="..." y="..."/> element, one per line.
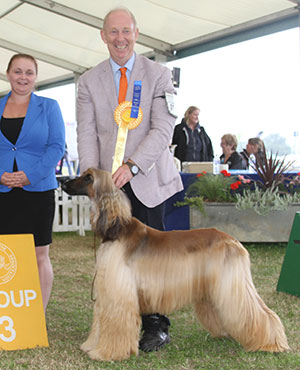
<point x="155" y="332"/>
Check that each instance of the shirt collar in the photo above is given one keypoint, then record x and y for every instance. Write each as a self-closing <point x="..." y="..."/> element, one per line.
<point x="129" y="65"/>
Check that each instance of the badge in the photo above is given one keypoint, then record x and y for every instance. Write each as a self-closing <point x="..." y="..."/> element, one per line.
<point x="170" y="99"/>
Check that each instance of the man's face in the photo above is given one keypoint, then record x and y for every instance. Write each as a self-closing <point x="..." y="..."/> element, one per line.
<point x="120" y="36"/>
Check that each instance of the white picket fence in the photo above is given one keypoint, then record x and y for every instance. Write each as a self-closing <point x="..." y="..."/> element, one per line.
<point x="72" y="213"/>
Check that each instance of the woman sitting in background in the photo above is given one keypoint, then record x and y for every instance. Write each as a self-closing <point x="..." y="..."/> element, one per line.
<point x="193" y="143"/>
<point x="255" y="147"/>
<point x="230" y="156"/>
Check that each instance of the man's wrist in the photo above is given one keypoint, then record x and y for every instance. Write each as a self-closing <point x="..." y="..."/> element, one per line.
<point x="133" y="167"/>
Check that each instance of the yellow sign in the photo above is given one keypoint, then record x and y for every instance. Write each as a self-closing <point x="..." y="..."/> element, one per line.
<point x="125" y="123"/>
<point x="22" y="319"/>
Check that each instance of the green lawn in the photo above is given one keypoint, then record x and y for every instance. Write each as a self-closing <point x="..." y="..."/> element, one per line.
<point x="70" y="313"/>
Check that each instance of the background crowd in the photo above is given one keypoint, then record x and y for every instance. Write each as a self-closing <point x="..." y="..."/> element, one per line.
<point x="192" y="144"/>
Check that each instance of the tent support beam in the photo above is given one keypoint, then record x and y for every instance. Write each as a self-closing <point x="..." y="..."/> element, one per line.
<point x="42" y="56"/>
<point x="92" y="21"/>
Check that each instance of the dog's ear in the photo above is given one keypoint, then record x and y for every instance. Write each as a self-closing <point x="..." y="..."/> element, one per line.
<point x="107" y="230"/>
<point x="102" y="184"/>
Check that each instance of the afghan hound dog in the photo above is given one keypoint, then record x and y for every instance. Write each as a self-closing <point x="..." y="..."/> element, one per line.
<point x="141" y="271"/>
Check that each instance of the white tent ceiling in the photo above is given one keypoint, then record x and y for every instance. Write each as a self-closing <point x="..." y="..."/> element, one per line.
<point x="64" y="35"/>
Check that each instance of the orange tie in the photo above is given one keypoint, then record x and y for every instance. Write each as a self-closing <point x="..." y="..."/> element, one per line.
<point x="123" y="85"/>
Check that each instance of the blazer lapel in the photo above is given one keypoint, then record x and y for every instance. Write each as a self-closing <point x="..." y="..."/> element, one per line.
<point x="3" y="103"/>
<point x="33" y="111"/>
<point x="108" y="84"/>
<point x="137" y="74"/>
<point x="2" y="106"/>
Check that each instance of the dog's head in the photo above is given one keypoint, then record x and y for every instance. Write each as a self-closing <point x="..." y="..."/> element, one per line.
<point x="79" y="185"/>
<point x="92" y="181"/>
<point x="111" y="209"/>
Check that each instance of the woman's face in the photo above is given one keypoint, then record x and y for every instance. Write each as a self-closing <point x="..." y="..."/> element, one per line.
<point x="225" y="147"/>
<point x="251" y="149"/>
<point x="22" y="76"/>
<point x="194" y="117"/>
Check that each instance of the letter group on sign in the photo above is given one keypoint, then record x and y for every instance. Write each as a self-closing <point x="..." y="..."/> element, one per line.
<point x="24" y="297"/>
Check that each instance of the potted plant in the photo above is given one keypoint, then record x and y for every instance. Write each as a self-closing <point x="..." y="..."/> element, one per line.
<point x="250" y="210"/>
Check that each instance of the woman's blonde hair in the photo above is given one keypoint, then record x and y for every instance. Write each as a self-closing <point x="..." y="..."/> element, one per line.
<point x="189" y="111"/>
<point x="231" y="140"/>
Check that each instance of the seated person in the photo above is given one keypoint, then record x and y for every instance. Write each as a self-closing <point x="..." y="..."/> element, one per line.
<point x="254" y="147"/>
<point x="230" y="156"/>
<point x="193" y="143"/>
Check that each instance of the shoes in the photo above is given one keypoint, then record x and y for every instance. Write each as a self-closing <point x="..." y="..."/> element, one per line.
<point x="155" y="332"/>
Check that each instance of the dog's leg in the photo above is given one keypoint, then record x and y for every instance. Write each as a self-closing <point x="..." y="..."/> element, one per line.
<point x="93" y="337"/>
<point x="94" y="334"/>
<point x="119" y="334"/>
<point x="242" y="312"/>
<point x="209" y="319"/>
<point x="117" y="309"/>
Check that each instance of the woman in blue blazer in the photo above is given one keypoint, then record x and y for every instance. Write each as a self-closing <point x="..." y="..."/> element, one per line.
<point x="32" y="141"/>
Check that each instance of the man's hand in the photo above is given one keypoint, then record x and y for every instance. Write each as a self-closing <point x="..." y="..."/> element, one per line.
<point x="122" y="176"/>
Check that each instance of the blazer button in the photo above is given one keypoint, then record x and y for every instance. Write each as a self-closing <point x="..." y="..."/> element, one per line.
<point x="14" y="149"/>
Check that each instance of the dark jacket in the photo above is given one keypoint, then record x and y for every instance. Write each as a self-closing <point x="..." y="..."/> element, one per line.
<point x="180" y="138"/>
<point x="235" y="161"/>
<point x="246" y="159"/>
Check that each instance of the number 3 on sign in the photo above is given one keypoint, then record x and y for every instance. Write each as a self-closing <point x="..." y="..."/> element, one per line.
<point x="9" y="328"/>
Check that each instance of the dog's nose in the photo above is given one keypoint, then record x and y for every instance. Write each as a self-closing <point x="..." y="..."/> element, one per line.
<point x="64" y="185"/>
<point x="63" y="180"/>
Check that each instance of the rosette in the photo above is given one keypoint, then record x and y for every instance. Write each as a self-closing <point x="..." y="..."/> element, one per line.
<point x="125" y="122"/>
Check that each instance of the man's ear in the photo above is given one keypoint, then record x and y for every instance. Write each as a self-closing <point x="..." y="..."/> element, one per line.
<point x="136" y="34"/>
<point x="103" y="36"/>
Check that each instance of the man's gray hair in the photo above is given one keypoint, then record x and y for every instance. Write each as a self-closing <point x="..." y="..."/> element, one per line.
<point x="117" y="9"/>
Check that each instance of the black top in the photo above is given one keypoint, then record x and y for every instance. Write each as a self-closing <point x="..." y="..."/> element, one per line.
<point x="235" y="161"/>
<point x="11" y="128"/>
<point x="194" y="145"/>
<point x="181" y="139"/>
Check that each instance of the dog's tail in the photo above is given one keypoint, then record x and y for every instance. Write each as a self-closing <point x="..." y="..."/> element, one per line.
<point x="244" y="315"/>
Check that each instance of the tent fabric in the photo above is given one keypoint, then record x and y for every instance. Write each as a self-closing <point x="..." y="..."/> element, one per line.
<point x="64" y="36"/>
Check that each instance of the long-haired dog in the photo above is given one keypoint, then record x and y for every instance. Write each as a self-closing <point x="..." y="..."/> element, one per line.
<point x="140" y="270"/>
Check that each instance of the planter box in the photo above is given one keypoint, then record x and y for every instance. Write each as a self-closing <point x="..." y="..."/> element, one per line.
<point x="246" y="225"/>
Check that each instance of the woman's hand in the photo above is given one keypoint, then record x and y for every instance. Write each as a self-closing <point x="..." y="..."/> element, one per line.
<point x="7" y="179"/>
<point x="14" y="179"/>
<point x="20" y="179"/>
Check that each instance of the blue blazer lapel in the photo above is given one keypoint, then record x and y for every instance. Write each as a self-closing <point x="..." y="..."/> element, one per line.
<point x="2" y="106"/>
<point x="3" y="103"/>
<point x="33" y="111"/>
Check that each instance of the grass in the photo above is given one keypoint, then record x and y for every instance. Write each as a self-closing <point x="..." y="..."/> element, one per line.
<point x="70" y="313"/>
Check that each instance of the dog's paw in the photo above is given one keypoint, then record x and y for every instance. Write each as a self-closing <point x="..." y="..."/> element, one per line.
<point x="100" y="355"/>
<point x="86" y="346"/>
<point x="96" y="355"/>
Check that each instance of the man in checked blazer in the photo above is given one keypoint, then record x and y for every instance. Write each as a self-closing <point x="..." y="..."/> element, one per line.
<point x="148" y="174"/>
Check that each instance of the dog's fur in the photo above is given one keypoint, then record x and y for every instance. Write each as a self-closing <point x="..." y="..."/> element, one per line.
<point x="140" y="270"/>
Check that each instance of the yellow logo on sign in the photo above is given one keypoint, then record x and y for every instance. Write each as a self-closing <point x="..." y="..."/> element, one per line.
<point x="8" y="264"/>
<point x="22" y="319"/>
